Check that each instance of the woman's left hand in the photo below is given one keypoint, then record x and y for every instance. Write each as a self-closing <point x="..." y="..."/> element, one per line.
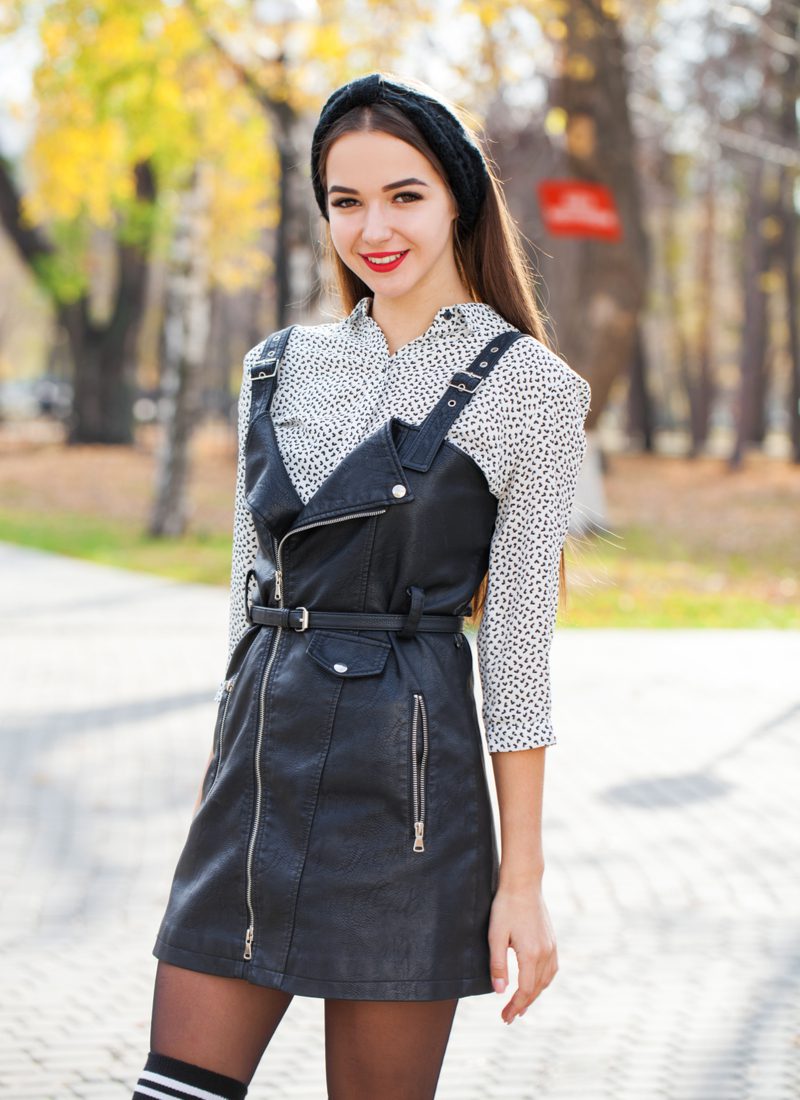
<point x="519" y="919"/>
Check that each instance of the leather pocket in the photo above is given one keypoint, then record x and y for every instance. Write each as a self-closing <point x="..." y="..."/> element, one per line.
<point x="418" y="740"/>
<point x="347" y="655"/>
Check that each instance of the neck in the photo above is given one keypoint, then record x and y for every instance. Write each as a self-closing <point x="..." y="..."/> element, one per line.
<point x="402" y="319"/>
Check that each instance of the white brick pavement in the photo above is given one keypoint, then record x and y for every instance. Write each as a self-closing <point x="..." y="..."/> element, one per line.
<point x="672" y="835"/>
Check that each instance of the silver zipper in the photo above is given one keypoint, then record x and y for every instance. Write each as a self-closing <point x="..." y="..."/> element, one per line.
<point x="248" y="939"/>
<point x="227" y="688"/>
<point x="250" y="933"/>
<point x="278" y="578"/>
<point x="418" y="781"/>
<point x="306" y="527"/>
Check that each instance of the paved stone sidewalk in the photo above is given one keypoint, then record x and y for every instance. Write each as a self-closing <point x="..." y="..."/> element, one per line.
<point x="672" y="837"/>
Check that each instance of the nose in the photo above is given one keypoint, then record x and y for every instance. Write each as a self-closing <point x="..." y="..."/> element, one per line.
<point x="376" y="229"/>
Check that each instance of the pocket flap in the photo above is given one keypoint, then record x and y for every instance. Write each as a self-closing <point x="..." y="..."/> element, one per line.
<point x="346" y="654"/>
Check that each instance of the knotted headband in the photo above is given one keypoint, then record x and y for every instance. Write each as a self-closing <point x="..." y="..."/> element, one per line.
<point x="461" y="158"/>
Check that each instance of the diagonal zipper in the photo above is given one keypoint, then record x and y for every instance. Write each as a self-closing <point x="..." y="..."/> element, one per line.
<point x="306" y="527"/>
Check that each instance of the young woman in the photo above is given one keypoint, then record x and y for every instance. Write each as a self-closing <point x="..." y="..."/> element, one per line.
<point x="400" y="470"/>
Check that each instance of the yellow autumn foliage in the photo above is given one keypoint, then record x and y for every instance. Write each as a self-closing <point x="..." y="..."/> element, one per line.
<point x="120" y="85"/>
<point x="165" y="83"/>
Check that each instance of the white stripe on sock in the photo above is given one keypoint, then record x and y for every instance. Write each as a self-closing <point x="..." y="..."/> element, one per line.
<point x="190" y="1090"/>
<point x="153" y="1092"/>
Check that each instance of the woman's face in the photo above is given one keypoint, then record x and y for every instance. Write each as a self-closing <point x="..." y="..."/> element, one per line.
<point x="384" y="197"/>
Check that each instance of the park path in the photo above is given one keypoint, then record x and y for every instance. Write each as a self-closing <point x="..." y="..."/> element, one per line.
<point x="672" y="843"/>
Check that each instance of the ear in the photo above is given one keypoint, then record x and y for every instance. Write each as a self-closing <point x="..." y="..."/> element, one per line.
<point x="452" y="204"/>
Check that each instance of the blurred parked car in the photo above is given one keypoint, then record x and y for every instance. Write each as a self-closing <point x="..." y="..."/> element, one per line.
<point x="26" y="398"/>
<point x="49" y="396"/>
<point x="54" y="396"/>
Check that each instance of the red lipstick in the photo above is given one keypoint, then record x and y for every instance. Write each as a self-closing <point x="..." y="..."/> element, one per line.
<point x="368" y="257"/>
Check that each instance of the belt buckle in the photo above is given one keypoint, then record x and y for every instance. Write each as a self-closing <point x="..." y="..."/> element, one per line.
<point x="267" y="361"/>
<point x="464" y="388"/>
<point x="303" y="619"/>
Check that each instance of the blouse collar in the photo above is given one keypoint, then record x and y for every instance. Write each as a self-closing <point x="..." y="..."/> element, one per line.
<point x="450" y="321"/>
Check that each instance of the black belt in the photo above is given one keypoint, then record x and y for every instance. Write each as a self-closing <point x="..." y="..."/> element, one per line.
<point x="300" y="618"/>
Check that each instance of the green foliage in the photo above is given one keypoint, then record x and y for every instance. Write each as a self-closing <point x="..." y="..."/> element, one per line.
<point x="200" y="557"/>
<point x="650" y="581"/>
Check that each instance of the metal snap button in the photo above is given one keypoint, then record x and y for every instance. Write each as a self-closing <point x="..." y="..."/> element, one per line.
<point x="339" y="667"/>
<point x="398" y="490"/>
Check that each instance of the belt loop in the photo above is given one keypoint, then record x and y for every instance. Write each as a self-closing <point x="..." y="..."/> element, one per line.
<point x="409" y="628"/>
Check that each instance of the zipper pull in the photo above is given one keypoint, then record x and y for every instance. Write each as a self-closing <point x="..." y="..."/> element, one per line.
<point x="229" y="684"/>
<point x="248" y="943"/>
<point x="278" y="584"/>
<point x="418" y="830"/>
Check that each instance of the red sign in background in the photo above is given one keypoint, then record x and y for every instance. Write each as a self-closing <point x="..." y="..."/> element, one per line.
<point x="574" y="209"/>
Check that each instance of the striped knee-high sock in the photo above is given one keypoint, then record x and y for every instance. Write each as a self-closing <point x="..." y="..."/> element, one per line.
<point x="165" y="1078"/>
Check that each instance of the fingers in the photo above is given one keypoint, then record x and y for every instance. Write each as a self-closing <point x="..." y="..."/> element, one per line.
<point x="536" y="971"/>
<point x="533" y="940"/>
<point x="498" y="959"/>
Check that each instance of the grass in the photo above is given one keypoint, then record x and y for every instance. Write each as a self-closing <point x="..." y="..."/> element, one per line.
<point x="654" y="578"/>
<point x="202" y="557"/>
<point x="609" y="586"/>
<point x="688" y="544"/>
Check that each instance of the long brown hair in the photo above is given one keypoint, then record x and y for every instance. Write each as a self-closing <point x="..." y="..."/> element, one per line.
<point x="491" y="260"/>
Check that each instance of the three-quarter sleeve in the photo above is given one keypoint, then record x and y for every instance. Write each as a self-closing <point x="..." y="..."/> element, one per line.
<point x="245" y="541"/>
<point x="535" y="503"/>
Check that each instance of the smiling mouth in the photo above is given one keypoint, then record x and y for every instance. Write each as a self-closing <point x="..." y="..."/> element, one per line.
<point x="379" y="260"/>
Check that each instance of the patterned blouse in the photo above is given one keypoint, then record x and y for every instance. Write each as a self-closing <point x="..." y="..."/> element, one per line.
<point x="524" y="427"/>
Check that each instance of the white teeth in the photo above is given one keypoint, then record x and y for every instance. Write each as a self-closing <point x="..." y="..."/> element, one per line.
<point x="384" y="259"/>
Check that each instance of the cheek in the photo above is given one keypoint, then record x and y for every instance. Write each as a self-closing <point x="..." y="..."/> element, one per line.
<point x="438" y="234"/>
<point x="342" y="235"/>
<point x="431" y="226"/>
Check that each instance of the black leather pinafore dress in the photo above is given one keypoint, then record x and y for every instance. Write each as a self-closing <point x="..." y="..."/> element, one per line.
<point x="345" y="845"/>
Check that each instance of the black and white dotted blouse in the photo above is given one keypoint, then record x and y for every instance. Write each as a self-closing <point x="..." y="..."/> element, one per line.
<point x="524" y="427"/>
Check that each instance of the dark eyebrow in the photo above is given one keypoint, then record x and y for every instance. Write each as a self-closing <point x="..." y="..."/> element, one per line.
<point x="388" y="187"/>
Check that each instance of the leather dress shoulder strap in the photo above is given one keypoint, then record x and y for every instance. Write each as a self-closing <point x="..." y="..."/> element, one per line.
<point x="421" y="447"/>
<point x="264" y="370"/>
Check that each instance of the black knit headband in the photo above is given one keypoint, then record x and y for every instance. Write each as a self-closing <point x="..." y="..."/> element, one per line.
<point x="461" y="158"/>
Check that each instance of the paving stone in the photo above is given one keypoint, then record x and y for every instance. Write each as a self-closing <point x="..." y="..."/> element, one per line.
<point x="671" y="831"/>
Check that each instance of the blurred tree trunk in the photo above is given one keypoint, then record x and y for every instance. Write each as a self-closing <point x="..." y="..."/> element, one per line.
<point x="602" y="289"/>
<point x="640" y="407"/>
<point x="789" y="258"/>
<point x="292" y="254"/>
<point x="103" y="353"/>
<point x="701" y="385"/>
<point x="790" y="93"/>
<point x="691" y="313"/>
<point x="185" y="338"/>
<point x="597" y="288"/>
<point x="673" y="176"/>
<point x="296" y="289"/>
<point x="754" y="336"/>
<point x="771" y="232"/>
<point x="593" y="290"/>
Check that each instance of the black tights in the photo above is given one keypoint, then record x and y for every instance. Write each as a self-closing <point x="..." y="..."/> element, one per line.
<point x="391" y="1049"/>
